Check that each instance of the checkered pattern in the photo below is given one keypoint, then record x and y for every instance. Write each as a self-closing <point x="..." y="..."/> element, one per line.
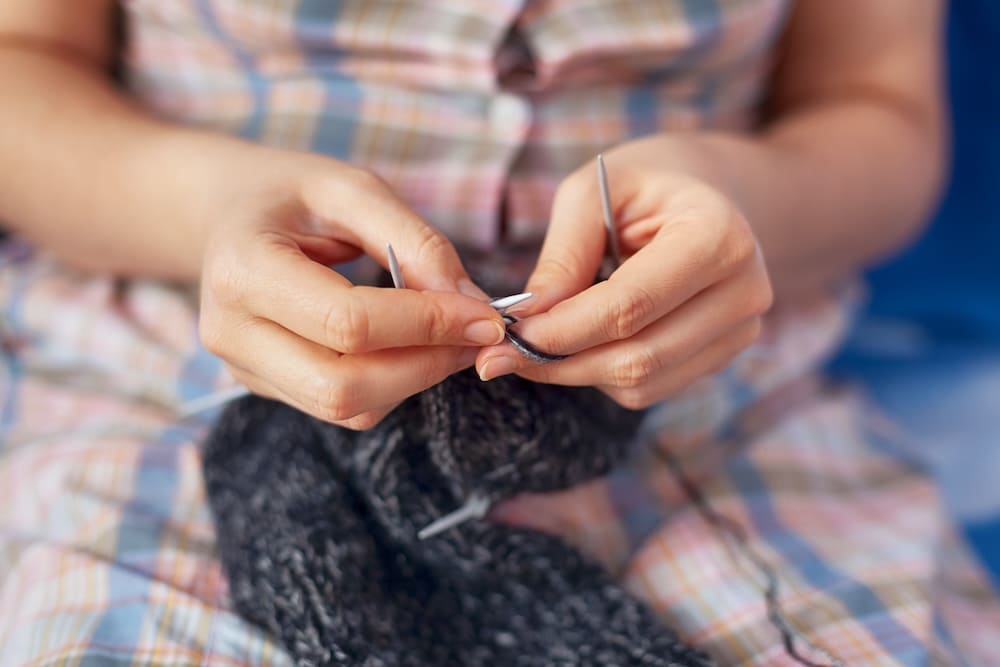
<point x="106" y="545"/>
<point x="416" y="91"/>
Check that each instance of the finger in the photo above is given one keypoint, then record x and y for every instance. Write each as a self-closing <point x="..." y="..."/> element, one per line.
<point x="320" y="305"/>
<point x="709" y="361"/>
<point x="684" y="258"/>
<point x="261" y="387"/>
<point x="557" y="512"/>
<point x="366" y="212"/>
<point x="335" y="387"/>
<point x="574" y="242"/>
<point x="664" y="344"/>
<point x="367" y="420"/>
<point x="324" y="250"/>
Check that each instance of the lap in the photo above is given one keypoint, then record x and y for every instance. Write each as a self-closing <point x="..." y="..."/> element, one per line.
<point x="805" y="509"/>
<point x="106" y="544"/>
<point x="107" y="549"/>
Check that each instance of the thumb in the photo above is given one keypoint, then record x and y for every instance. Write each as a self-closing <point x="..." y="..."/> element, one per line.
<point x="362" y="209"/>
<point x="574" y="243"/>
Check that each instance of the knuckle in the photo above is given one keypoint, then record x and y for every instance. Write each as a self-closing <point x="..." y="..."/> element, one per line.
<point x="362" y="422"/>
<point x="626" y="316"/>
<point x="334" y="401"/>
<point x="633" y="399"/>
<point x="348" y="327"/>
<point x="634" y="369"/>
<point x="432" y="246"/>
<point x="439" y="325"/>
<point x="363" y="179"/>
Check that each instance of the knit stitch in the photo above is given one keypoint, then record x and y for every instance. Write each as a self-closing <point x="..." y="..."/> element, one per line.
<point x="317" y="532"/>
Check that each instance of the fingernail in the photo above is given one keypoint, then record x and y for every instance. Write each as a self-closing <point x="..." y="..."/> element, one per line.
<point x="469" y="288"/>
<point x="495" y="367"/>
<point x="484" y="332"/>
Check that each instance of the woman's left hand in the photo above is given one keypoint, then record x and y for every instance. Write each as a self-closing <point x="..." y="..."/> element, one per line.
<point x="687" y="299"/>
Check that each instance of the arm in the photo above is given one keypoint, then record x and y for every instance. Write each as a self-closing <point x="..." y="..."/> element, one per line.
<point x="88" y="175"/>
<point x="852" y="158"/>
<point x="717" y="224"/>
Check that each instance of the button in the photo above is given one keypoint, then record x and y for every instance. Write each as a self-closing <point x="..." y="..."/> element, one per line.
<point x="509" y="111"/>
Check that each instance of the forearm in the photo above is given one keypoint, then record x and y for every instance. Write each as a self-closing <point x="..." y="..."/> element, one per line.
<point x="851" y="159"/>
<point x="829" y="189"/>
<point x="91" y="177"/>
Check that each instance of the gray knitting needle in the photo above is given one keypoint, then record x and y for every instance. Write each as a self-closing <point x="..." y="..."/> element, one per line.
<point x="614" y="252"/>
<point x="397" y="274"/>
<point x="475" y="507"/>
<point x="215" y="399"/>
<point x="503" y="304"/>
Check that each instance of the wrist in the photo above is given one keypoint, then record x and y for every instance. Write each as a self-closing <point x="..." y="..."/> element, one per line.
<point x="193" y="179"/>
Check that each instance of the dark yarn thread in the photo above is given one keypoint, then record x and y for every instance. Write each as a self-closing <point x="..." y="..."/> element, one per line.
<point x="317" y="532"/>
<point x="526" y="349"/>
<point x="735" y="535"/>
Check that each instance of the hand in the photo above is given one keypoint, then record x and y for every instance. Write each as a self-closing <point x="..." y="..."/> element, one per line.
<point x="291" y="328"/>
<point x="686" y="301"/>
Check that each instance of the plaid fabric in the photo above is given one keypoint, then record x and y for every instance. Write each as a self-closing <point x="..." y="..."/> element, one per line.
<point x="431" y="95"/>
<point x="106" y="545"/>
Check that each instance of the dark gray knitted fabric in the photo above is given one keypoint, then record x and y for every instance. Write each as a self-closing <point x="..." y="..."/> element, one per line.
<point x="317" y="531"/>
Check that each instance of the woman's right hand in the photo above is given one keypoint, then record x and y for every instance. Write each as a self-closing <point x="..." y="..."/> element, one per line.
<point x="290" y="328"/>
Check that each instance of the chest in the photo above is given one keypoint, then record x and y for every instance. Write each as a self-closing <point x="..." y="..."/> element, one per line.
<point x="509" y="43"/>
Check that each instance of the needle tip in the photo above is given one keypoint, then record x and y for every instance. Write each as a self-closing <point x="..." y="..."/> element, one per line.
<point x="503" y="303"/>
<point x="394" y="270"/>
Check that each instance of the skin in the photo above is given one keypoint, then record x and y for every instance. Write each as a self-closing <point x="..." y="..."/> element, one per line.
<point x="715" y="225"/>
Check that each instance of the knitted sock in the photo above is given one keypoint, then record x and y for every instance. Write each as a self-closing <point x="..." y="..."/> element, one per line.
<point x="317" y="532"/>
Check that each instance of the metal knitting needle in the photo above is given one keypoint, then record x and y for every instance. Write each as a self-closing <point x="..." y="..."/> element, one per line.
<point x="609" y="218"/>
<point x="209" y="401"/>
<point x="397" y="274"/>
<point x="505" y="303"/>
<point x="475" y="507"/>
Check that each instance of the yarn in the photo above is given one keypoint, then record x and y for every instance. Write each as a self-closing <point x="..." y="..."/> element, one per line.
<point x="317" y="530"/>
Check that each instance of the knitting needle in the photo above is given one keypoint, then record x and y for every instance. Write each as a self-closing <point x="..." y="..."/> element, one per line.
<point x="507" y="302"/>
<point x="397" y="274"/>
<point x="475" y="507"/>
<point x="209" y="401"/>
<point x="609" y="219"/>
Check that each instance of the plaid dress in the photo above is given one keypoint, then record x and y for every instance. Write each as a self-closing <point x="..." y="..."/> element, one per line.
<point x="766" y="519"/>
